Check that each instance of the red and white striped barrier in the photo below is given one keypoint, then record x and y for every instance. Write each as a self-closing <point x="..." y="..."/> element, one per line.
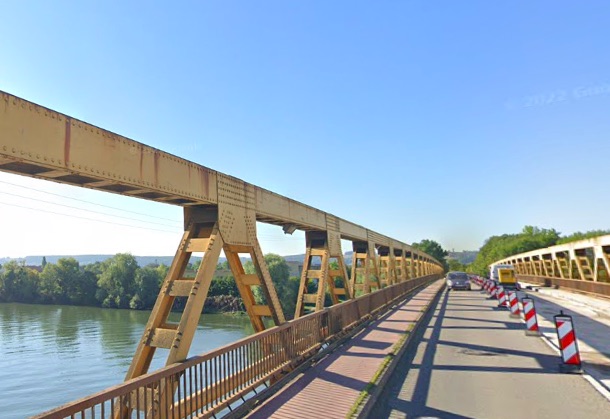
<point x="568" y="345"/>
<point x="501" y="297"/>
<point x="492" y="290"/>
<point x="513" y="304"/>
<point x="531" y="320"/>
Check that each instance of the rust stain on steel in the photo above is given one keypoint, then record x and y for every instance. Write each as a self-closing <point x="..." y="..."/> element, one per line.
<point x="205" y="180"/>
<point x="141" y="163"/>
<point x="67" y="140"/>
<point x="156" y="156"/>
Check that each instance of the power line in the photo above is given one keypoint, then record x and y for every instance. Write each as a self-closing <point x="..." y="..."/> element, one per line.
<point x="84" y="209"/>
<point x="86" y="218"/>
<point x="88" y="202"/>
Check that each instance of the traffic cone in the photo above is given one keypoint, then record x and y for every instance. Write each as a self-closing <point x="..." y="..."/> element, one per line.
<point x="570" y="356"/>
<point x="531" y="320"/>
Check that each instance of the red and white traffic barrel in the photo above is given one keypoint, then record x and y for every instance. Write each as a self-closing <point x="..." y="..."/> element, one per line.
<point x="513" y="304"/>
<point x="531" y="320"/>
<point x="570" y="356"/>
<point x="501" y="296"/>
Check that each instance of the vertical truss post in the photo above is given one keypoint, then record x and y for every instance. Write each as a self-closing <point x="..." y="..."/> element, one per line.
<point x="364" y="268"/>
<point x="386" y="266"/>
<point x="410" y="265"/>
<point x="518" y="266"/>
<point x="317" y="279"/>
<point x="528" y="266"/>
<point x="602" y="260"/>
<point x="535" y="265"/>
<point x="547" y="264"/>
<point x="416" y="266"/>
<point x="583" y="264"/>
<point x="201" y="235"/>
<point x="561" y="264"/>
<point x="400" y="265"/>
<point x="231" y="226"/>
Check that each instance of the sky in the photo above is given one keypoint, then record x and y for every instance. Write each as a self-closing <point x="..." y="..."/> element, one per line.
<point x="443" y="120"/>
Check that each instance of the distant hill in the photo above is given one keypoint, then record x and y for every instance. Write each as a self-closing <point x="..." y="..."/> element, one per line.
<point x="465" y="257"/>
<point x="88" y="259"/>
<point x="142" y="260"/>
<point x="299" y="258"/>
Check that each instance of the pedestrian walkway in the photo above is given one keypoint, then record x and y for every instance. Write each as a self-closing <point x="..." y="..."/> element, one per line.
<point x="591" y="318"/>
<point x="331" y="388"/>
<point x="474" y="361"/>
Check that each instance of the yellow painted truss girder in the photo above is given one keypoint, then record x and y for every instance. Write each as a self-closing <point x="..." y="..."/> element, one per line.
<point x="38" y="142"/>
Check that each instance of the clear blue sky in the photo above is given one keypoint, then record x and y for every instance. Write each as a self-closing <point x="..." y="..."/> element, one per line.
<point x="446" y="120"/>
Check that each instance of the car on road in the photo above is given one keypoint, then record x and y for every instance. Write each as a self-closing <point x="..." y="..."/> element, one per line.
<point x="458" y="281"/>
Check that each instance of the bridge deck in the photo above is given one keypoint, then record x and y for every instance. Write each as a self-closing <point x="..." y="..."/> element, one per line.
<point x="332" y="387"/>
<point x="474" y="361"/>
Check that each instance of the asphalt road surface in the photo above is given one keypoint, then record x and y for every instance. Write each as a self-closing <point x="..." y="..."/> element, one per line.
<point x="474" y="361"/>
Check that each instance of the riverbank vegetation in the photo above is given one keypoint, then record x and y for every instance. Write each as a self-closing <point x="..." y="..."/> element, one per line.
<point x="119" y="282"/>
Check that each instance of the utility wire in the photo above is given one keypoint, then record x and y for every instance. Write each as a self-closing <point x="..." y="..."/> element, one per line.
<point x="83" y="209"/>
<point x="88" y="202"/>
<point x="86" y="218"/>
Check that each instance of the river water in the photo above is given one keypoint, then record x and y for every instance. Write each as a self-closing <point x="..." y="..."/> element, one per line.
<point x="50" y="355"/>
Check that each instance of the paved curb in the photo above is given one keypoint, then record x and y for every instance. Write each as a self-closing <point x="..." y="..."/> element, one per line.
<point x="372" y="399"/>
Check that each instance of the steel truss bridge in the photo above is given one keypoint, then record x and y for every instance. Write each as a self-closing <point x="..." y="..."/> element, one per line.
<point x="582" y="266"/>
<point x="220" y="214"/>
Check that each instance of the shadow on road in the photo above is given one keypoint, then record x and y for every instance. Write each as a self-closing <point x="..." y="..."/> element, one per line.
<point x="414" y="402"/>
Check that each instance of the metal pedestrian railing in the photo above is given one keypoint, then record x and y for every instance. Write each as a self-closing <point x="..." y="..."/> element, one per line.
<point x="209" y="384"/>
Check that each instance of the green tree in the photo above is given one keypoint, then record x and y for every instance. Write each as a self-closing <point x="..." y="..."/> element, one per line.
<point x="582" y="236"/>
<point x="433" y="249"/>
<point x="500" y="247"/>
<point x="455" y="265"/>
<point x="286" y="287"/>
<point x="223" y="285"/>
<point x="18" y="283"/>
<point x="70" y="280"/>
<point x="50" y="287"/>
<point x="117" y="281"/>
<point x="146" y="287"/>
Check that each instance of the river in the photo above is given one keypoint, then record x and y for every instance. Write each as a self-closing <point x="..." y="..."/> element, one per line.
<point x="50" y="355"/>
